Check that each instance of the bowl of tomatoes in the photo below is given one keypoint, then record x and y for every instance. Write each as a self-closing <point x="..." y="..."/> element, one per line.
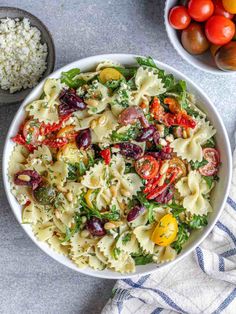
<point x="203" y="32"/>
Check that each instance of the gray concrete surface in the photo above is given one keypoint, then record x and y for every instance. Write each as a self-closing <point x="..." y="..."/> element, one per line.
<point x="30" y="281"/>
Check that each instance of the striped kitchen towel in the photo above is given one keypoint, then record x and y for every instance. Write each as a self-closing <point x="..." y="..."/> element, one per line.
<point x="203" y="282"/>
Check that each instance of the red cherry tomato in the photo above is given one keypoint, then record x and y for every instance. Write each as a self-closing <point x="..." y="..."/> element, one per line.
<point x="31" y="131"/>
<point x="106" y="155"/>
<point x="213" y="157"/>
<point x="219" y="30"/>
<point x="147" y="167"/>
<point x="179" y="17"/>
<point x="220" y="10"/>
<point x="200" y="10"/>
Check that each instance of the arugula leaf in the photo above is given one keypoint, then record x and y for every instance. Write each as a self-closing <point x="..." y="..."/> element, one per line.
<point x="182" y="237"/>
<point x="192" y="112"/>
<point x="131" y="133"/>
<point x="81" y="168"/>
<point x="115" y="253"/>
<point x="176" y="209"/>
<point x="180" y="88"/>
<point x="113" y="84"/>
<point x="71" y="231"/>
<point x="69" y="78"/>
<point x="129" y="168"/>
<point x="127" y="72"/>
<point x="72" y="172"/>
<point x="142" y="259"/>
<point x="126" y="238"/>
<point x="197" y="222"/>
<point x="148" y="205"/>
<point x="210" y="143"/>
<point x="197" y="164"/>
<point x="209" y="180"/>
<point x="113" y="214"/>
<point x="148" y="62"/>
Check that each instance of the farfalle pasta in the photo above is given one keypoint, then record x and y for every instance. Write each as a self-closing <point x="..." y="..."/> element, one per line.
<point x="114" y="167"/>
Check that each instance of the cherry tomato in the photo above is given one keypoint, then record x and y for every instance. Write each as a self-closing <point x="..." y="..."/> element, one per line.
<point x="68" y="132"/>
<point x="214" y="49"/>
<point x="225" y="57"/>
<point x="194" y="39"/>
<point x="200" y="10"/>
<point x="213" y="158"/>
<point x="47" y="128"/>
<point x="56" y="143"/>
<point x="147" y="167"/>
<point x="106" y="155"/>
<point x="166" y="231"/>
<point x="220" y="10"/>
<point x="179" y="17"/>
<point x="19" y="139"/>
<point x="219" y="30"/>
<point x="31" y="132"/>
<point x="178" y="163"/>
<point x="109" y="74"/>
<point x="230" y="6"/>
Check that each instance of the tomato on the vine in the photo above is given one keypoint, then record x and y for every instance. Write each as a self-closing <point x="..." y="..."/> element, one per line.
<point x="219" y="30"/>
<point x="147" y="167"/>
<point x="200" y="10"/>
<point x="179" y="17"/>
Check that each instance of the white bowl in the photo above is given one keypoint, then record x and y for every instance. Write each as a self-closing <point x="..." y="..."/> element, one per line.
<point x="218" y="198"/>
<point x="203" y="62"/>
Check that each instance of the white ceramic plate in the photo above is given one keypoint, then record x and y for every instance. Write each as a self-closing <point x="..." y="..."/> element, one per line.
<point x="218" y="198"/>
<point x="203" y="62"/>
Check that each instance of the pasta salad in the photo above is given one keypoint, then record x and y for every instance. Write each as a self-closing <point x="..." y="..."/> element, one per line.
<point x="114" y="167"/>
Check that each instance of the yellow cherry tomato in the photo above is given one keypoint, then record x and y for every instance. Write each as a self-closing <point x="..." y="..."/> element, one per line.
<point x="178" y="163"/>
<point x="165" y="231"/>
<point x="71" y="154"/>
<point x="88" y="198"/>
<point x="109" y="74"/>
<point x="67" y="131"/>
<point x="230" y="6"/>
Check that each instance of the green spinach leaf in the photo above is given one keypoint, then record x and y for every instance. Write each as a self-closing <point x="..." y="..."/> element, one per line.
<point x="197" y="222"/>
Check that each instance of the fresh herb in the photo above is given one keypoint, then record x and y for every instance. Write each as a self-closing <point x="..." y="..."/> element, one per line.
<point x="131" y="133"/>
<point x="182" y="237"/>
<point x="176" y="209"/>
<point x="69" y="78"/>
<point x="129" y="168"/>
<point x="197" y="222"/>
<point x="142" y="259"/>
<point x="166" y="131"/>
<point x="126" y="238"/>
<point x="29" y="138"/>
<point x="91" y="160"/>
<point x="71" y="231"/>
<point x="113" y="214"/>
<point x="127" y="72"/>
<point x="210" y="143"/>
<point x="113" y="84"/>
<point x="148" y="62"/>
<point x="72" y="172"/>
<point x="115" y="253"/>
<point x="198" y="164"/>
<point x="81" y="168"/>
<point x="149" y="205"/>
<point x="192" y="112"/>
<point x="209" y="180"/>
<point x="180" y="89"/>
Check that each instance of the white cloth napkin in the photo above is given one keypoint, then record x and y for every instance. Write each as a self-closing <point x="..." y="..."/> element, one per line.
<point x="203" y="282"/>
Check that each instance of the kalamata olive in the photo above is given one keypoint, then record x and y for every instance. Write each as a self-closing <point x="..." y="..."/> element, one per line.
<point x="156" y="137"/>
<point x="96" y="227"/>
<point x="130" y="150"/>
<point x="83" y="139"/>
<point x="225" y="57"/>
<point x="28" y="178"/>
<point x="135" y="212"/>
<point x="160" y="155"/>
<point x="165" y="196"/>
<point x="146" y="134"/>
<point x="194" y="40"/>
<point x="44" y="195"/>
<point x="70" y="102"/>
<point x="131" y="115"/>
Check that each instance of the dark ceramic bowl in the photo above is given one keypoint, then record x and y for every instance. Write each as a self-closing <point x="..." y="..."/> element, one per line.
<point x="5" y="96"/>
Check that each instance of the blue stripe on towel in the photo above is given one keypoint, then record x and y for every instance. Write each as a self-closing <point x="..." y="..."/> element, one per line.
<point x="226" y="302"/>
<point x="228" y="253"/>
<point x="164" y="296"/>
<point x="200" y="258"/>
<point x="221" y="264"/>
<point x="231" y="203"/>
<point x="226" y="230"/>
<point x="157" y="310"/>
<point x="143" y="279"/>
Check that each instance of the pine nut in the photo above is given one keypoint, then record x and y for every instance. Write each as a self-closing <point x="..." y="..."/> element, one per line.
<point x="91" y="102"/>
<point x="155" y="258"/>
<point x="125" y="193"/>
<point x="185" y="134"/>
<point x="109" y="225"/>
<point x="164" y="167"/>
<point x="117" y="223"/>
<point x="24" y="177"/>
<point x="162" y="181"/>
<point x="83" y="219"/>
<point x="188" y="132"/>
<point x="93" y="124"/>
<point x="69" y="196"/>
<point x="84" y="233"/>
<point x="102" y="120"/>
<point x="57" y="214"/>
<point x="113" y="190"/>
<point x="161" y="129"/>
<point x="61" y="188"/>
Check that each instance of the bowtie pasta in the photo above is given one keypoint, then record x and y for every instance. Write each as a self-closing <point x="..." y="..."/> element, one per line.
<point x="114" y="167"/>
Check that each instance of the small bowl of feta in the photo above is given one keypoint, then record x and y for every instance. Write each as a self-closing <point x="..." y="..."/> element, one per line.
<point x="27" y="54"/>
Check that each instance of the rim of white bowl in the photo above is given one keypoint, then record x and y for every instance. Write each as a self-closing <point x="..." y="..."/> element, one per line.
<point x="47" y="249"/>
<point x="180" y="50"/>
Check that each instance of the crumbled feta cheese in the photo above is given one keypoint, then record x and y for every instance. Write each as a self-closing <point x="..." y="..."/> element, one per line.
<point x="22" y="55"/>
